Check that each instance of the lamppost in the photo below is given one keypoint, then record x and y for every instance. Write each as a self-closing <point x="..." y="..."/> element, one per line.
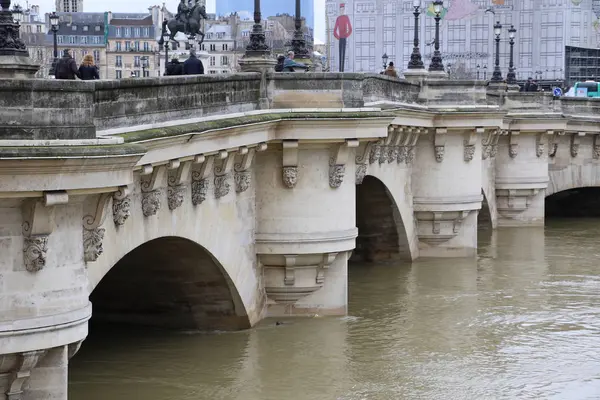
<point x="144" y="60"/>
<point x="477" y="71"/>
<point x="436" y="64"/>
<point x="497" y="75"/>
<point x="485" y="72"/>
<point x="415" y="58"/>
<point x="511" y="78"/>
<point x="257" y="46"/>
<point x="54" y="20"/>
<point x="298" y="42"/>
<point x="384" y="59"/>
<point x="163" y="42"/>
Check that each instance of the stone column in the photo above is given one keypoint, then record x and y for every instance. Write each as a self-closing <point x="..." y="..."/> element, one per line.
<point x="521" y="177"/>
<point x="447" y="191"/>
<point x="305" y="200"/>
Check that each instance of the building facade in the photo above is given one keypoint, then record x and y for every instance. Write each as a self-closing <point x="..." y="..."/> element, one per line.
<point x="544" y="29"/>
<point x="132" y="49"/>
<point x="270" y="8"/>
<point x="220" y="44"/>
<point x="69" y="6"/>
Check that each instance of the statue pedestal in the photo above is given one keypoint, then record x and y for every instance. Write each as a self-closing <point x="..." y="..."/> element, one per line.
<point x="17" y="67"/>
<point x="415" y="75"/>
<point x="263" y="65"/>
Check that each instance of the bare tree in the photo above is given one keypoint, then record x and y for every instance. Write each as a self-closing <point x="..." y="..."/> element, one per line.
<point x="459" y="71"/>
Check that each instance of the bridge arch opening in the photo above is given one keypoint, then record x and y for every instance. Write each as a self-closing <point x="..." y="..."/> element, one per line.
<point x="484" y="216"/>
<point x="574" y="203"/>
<point x="169" y="282"/>
<point x="381" y="232"/>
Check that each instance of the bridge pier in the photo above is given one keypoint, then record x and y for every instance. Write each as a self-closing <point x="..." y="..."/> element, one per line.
<point x="447" y="191"/>
<point x="521" y="178"/>
<point x="305" y="205"/>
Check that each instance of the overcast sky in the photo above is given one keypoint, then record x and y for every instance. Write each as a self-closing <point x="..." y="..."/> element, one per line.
<point x="142" y="6"/>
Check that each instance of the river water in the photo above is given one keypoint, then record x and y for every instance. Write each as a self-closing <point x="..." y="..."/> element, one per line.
<point x="522" y="321"/>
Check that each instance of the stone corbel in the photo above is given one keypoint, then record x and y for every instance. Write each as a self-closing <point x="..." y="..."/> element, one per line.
<point x="202" y="168"/>
<point x="412" y="143"/>
<point x="394" y="149"/>
<point x="552" y="143"/>
<point x="575" y="141"/>
<point x="470" y="142"/>
<point x="403" y="142"/>
<point x="121" y="206"/>
<point x="494" y="148"/>
<point x="151" y="180"/>
<point x="361" y="160"/>
<point x="539" y="144"/>
<point x="596" y="149"/>
<point x="376" y="151"/>
<point x="436" y="227"/>
<point x="487" y="145"/>
<point x="511" y="202"/>
<point x="439" y="143"/>
<point x="223" y="173"/>
<point x="38" y="224"/>
<point x="513" y="143"/>
<point x="387" y="151"/>
<point x="328" y="258"/>
<point x="95" y="209"/>
<point x="177" y="174"/>
<point x="20" y="374"/>
<point x="242" y="175"/>
<point x="337" y="162"/>
<point x="290" y="163"/>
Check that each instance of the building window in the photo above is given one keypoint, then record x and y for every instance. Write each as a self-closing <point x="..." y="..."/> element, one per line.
<point x="97" y="28"/>
<point x="72" y="39"/>
<point x="74" y="27"/>
<point x="39" y="29"/>
<point x="213" y="47"/>
<point x="83" y="53"/>
<point x="146" y="73"/>
<point x="203" y="47"/>
<point x="118" y="32"/>
<point x="137" y="46"/>
<point x="97" y="56"/>
<point x="138" y="32"/>
<point x="127" y="46"/>
<point x="224" y="72"/>
<point x="119" y="74"/>
<point x="136" y="73"/>
<point x="146" y="46"/>
<point x="40" y="55"/>
<point x="211" y="61"/>
<point x="83" y="40"/>
<point x="145" y="32"/>
<point x="119" y="61"/>
<point x="118" y="46"/>
<point x="28" y="28"/>
<point x="97" y="39"/>
<point x="60" y="39"/>
<point x="126" y="32"/>
<point x="85" y="28"/>
<point x="136" y="61"/>
<point x="224" y="60"/>
<point x="225" y="47"/>
<point x="212" y="72"/>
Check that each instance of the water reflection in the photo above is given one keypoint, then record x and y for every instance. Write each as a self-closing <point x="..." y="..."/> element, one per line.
<point x="520" y="321"/>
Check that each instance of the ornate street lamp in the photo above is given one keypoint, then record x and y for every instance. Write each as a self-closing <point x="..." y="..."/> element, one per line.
<point x="485" y="72"/>
<point x="478" y="66"/>
<point x="54" y="21"/>
<point x="384" y="59"/>
<point x="497" y="75"/>
<point x="145" y="63"/>
<point x="10" y="40"/>
<point x="436" y="61"/>
<point x="257" y="46"/>
<point x="163" y="42"/>
<point x="298" y="42"/>
<point x="511" y="78"/>
<point x="415" y="58"/>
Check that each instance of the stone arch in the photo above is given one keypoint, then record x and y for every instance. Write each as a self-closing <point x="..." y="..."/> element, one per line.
<point x="487" y="215"/>
<point x="572" y="177"/>
<point x="169" y="282"/>
<point x="577" y="202"/>
<point x="382" y="231"/>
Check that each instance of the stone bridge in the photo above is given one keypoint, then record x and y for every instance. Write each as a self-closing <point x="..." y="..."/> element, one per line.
<point x="211" y="202"/>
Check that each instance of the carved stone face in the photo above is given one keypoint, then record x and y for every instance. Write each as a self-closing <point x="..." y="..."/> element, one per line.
<point x="35" y="251"/>
<point x="439" y="153"/>
<point x="290" y="176"/>
<point x="151" y="202"/>
<point x="121" y="210"/>
<point x="92" y="244"/>
<point x="336" y="175"/>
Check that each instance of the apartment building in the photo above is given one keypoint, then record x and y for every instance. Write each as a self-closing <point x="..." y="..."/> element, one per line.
<point x="219" y="42"/>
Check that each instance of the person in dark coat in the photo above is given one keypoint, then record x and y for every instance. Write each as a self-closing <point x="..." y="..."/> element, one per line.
<point x="87" y="70"/>
<point x="66" y="68"/>
<point x="174" y="67"/>
<point x="280" y="62"/>
<point x="193" y="66"/>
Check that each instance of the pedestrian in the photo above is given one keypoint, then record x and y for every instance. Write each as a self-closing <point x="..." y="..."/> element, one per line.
<point x="193" y="66"/>
<point x="280" y="62"/>
<point x="390" y="70"/>
<point x="533" y="87"/>
<point x="527" y="85"/>
<point x="88" y="70"/>
<point x="66" y="68"/>
<point x="289" y="65"/>
<point x="174" y="67"/>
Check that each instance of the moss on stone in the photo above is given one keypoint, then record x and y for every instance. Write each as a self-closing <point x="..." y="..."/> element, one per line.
<point x="170" y="131"/>
<point x="72" y="151"/>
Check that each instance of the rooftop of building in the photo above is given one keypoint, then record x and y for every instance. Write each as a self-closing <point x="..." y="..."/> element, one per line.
<point x="145" y="21"/>
<point x="81" y="28"/>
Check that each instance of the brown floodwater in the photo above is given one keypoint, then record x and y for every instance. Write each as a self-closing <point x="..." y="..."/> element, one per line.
<point x="520" y="321"/>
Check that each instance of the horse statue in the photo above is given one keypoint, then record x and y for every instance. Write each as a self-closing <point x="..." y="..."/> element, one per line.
<point x="189" y="22"/>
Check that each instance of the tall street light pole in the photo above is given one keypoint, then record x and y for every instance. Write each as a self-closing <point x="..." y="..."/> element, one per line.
<point x="436" y="64"/>
<point x="54" y="21"/>
<point x="415" y="58"/>
<point x="163" y="42"/>
<point x="10" y="40"/>
<point x="511" y="78"/>
<point x="298" y="42"/>
<point x="257" y="46"/>
<point x="497" y="75"/>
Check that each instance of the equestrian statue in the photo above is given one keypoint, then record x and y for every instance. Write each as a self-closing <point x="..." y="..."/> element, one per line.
<point x="187" y="20"/>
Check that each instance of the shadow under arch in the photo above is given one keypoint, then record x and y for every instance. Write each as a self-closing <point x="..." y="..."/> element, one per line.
<point x="575" y="202"/>
<point x="169" y="282"/>
<point x="484" y="217"/>
<point x="381" y="231"/>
